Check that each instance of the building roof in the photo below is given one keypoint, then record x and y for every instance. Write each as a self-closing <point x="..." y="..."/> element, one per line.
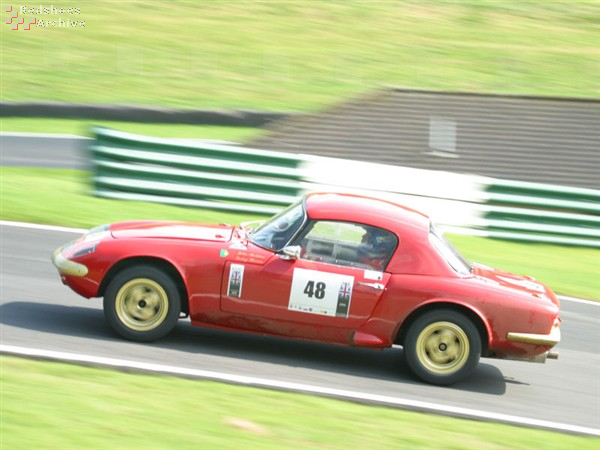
<point x="537" y="139"/>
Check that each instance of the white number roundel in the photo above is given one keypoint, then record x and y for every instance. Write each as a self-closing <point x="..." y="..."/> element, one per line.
<point x="322" y="293"/>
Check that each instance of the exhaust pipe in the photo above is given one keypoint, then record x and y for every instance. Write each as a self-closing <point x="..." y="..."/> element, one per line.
<point x="539" y="358"/>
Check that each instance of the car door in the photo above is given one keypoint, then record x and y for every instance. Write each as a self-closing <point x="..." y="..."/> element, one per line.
<point x="326" y="285"/>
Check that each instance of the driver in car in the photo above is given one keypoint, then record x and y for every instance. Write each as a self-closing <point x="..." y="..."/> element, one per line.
<point x="375" y="249"/>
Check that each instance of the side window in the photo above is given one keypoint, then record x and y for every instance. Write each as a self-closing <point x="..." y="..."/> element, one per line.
<point x="348" y="244"/>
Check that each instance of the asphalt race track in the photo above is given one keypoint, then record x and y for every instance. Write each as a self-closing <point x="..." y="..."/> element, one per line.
<point x="37" y="311"/>
<point x="44" y="150"/>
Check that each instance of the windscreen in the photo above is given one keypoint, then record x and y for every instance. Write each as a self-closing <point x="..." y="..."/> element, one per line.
<point x="276" y="232"/>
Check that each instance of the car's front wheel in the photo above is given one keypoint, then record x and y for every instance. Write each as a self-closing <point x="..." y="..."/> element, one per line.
<point x="442" y="347"/>
<point x="142" y="303"/>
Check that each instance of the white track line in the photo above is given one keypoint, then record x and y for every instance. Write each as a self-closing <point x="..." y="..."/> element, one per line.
<point x="36" y="226"/>
<point x="360" y="397"/>
<point x="42" y="135"/>
<point x="564" y="298"/>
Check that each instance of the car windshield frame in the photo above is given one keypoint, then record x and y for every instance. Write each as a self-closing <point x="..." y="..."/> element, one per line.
<point x="275" y="233"/>
<point x="450" y="254"/>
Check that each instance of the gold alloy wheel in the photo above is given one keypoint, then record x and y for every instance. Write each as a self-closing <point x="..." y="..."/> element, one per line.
<point x="443" y="348"/>
<point x="142" y="304"/>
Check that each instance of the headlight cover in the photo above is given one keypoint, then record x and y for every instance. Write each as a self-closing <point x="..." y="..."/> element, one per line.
<point x="87" y="243"/>
<point x="95" y="234"/>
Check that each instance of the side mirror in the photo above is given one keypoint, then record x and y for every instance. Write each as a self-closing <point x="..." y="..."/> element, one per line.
<point x="291" y="252"/>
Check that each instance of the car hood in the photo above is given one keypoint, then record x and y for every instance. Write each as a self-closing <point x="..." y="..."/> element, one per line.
<point x="524" y="284"/>
<point x="172" y="230"/>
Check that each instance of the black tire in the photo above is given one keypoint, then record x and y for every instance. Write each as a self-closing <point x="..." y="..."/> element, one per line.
<point x="442" y="347"/>
<point x="142" y="303"/>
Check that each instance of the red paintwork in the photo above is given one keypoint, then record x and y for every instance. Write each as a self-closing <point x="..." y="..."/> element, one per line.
<point x="416" y="277"/>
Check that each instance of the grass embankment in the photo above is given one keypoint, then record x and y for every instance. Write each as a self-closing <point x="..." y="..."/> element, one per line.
<point x="62" y="197"/>
<point x="103" y="409"/>
<point x="294" y="56"/>
<point x="302" y="56"/>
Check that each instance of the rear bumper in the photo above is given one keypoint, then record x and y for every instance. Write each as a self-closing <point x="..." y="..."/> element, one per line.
<point x="550" y="339"/>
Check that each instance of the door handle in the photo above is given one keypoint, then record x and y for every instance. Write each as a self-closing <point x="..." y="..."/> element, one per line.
<point x="377" y="286"/>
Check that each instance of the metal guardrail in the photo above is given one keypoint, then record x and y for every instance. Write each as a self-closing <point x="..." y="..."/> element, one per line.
<point x="225" y="177"/>
<point x="538" y="212"/>
<point x="240" y="179"/>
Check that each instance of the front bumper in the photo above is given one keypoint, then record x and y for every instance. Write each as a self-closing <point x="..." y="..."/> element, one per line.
<point x="550" y="339"/>
<point x="66" y="266"/>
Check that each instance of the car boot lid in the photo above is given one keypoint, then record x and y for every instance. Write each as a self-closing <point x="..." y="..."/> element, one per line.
<point x="524" y="284"/>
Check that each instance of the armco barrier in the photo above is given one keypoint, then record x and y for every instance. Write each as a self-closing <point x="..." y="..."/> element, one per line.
<point x="543" y="213"/>
<point x="235" y="178"/>
<point x="216" y="176"/>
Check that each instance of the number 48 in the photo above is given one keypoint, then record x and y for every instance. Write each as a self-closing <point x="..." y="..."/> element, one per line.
<point x="317" y="290"/>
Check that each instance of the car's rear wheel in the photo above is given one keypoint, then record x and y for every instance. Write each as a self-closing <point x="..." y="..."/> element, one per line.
<point x="142" y="303"/>
<point x="442" y="347"/>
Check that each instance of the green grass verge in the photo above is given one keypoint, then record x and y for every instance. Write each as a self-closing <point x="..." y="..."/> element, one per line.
<point x="105" y="409"/>
<point x="62" y="197"/>
<point x="567" y="270"/>
<point x="83" y="127"/>
<point x="290" y="55"/>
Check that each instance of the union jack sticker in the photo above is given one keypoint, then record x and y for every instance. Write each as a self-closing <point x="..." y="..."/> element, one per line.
<point x="344" y="296"/>
<point x="236" y="277"/>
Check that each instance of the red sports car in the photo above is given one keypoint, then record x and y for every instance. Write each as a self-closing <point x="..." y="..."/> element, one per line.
<point x="333" y="268"/>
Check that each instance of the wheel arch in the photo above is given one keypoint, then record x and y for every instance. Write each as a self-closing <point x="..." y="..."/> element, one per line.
<point x="446" y="304"/>
<point x="159" y="263"/>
